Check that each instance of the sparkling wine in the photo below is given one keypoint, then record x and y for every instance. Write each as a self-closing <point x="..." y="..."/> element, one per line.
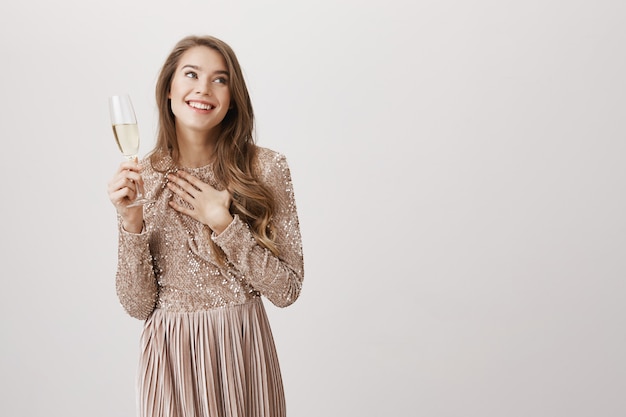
<point x="127" y="137"/>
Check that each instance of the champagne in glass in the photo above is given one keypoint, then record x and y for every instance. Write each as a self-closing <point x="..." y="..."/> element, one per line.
<point x="127" y="136"/>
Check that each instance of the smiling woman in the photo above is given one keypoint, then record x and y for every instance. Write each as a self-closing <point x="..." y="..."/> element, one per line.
<point x="199" y="93"/>
<point x="222" y="233"/>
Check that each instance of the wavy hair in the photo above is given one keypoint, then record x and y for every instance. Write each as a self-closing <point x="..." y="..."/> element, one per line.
<point x="235" y="149"/>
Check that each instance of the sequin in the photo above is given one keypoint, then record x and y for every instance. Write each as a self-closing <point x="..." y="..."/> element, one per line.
<point x="170" y="265"/>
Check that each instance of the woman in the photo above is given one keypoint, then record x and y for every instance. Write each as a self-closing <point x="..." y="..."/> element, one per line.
<point x="222" y="233"/>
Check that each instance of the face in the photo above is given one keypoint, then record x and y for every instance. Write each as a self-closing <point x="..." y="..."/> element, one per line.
<point x="199" y="93"/>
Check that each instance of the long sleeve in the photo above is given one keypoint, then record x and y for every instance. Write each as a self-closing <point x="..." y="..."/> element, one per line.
<point x="278" y="278"/>
<point x="135" y="280"/>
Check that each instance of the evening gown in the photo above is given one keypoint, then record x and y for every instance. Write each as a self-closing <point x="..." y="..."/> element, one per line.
<point x="206" y="347"/>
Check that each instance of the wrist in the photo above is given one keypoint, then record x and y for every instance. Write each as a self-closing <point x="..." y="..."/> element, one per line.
<point x="132" y="225"/>
<point x="220" y="226"/>
<point x="133" y="228"/>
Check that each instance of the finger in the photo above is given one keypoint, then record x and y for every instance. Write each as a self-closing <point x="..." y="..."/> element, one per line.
<point x="122" y="197"/>
<point x="124" y="175"/>
<point x="132" y="175"/>
<point x="181" y="209"/>
<point x="193" y="180"/>
<point x="122" y="182"/>
<point x="181" y="193"/>
<point x="115" y="185"/>
<point x="129" y="165"/>
<point x="183" y="184"/>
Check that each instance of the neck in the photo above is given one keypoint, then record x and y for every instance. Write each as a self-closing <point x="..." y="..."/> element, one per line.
<point x="196" y="149"/>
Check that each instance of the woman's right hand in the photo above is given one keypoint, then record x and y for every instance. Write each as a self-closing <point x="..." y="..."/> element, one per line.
<point x="122" y="192"/>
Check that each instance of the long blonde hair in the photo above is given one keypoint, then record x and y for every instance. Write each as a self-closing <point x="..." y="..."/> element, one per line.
<point x="234" y="150"/>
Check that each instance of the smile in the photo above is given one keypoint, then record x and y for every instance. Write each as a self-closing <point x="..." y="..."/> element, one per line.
<point x="200" y="106"/>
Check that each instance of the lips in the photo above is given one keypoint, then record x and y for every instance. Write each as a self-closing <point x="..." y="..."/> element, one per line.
<point x="200" y="105"/>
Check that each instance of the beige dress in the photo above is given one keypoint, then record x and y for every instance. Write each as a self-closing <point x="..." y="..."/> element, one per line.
<point x="207" y="347"/>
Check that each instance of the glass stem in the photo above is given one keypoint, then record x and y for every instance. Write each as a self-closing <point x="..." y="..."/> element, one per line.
<point x="138" y="188"/>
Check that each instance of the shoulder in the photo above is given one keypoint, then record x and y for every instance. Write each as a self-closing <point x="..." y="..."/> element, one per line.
<point x="155" y="162"/>
<point x="153" y="169"/>
<point x="270" y="162"/>
<point x="266" y="156"/>
<point x="145" y="163"/>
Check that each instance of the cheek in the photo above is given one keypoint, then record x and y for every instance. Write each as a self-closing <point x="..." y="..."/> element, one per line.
<point x="176" y="86"/>
<point x="174" y="107"/>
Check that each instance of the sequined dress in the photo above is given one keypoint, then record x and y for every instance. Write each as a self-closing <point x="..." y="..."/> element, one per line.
<point x="206" y="346"/>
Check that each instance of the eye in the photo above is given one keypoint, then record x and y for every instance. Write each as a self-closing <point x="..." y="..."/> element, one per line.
<point x="191" y="74"/>
<point x="221" y="80"/>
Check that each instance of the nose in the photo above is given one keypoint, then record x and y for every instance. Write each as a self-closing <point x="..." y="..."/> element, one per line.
<point x="204" y="88"/>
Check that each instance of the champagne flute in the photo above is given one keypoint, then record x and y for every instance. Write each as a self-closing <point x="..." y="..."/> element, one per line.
<point x="127" y="136"/>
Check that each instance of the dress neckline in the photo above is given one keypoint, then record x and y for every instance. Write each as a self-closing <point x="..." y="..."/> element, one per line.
<point x="169" y="161"/>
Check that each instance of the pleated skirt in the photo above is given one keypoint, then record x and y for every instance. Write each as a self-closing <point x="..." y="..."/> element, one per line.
<point x="214" y="363"/>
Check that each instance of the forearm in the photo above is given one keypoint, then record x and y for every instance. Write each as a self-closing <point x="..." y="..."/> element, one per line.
<point x="278" y="279"/>
<point x="135" y="281"/>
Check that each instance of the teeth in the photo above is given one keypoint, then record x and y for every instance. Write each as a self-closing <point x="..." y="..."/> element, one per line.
<point x="200" y="106"/>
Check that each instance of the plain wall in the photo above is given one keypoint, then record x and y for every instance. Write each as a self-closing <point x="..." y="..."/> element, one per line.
<point x="459" y="174"/>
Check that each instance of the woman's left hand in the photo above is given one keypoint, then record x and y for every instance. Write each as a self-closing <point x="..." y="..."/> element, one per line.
<point x="209" y="206"/>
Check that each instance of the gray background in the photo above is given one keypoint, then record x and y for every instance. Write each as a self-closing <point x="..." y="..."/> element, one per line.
<point x="459" y="172"/>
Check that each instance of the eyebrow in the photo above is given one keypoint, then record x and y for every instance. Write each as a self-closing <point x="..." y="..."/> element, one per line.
<point x="197" y="68"/>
